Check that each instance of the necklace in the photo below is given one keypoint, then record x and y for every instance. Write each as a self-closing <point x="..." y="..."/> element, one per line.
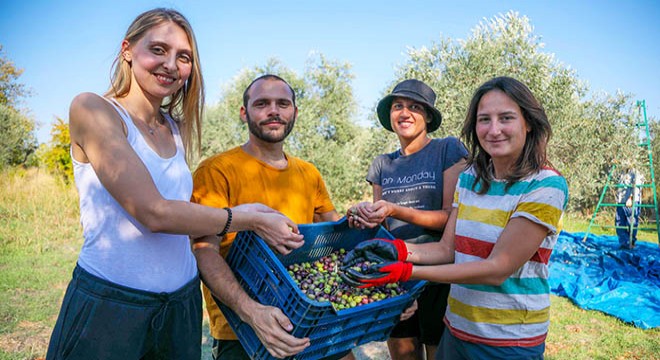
<point x="159" y="121"/>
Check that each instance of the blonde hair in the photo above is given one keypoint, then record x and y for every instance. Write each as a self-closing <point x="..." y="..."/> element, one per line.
<point x="185" y="106"/>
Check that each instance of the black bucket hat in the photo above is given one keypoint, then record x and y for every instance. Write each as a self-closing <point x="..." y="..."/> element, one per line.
<point x="415" y="90"/>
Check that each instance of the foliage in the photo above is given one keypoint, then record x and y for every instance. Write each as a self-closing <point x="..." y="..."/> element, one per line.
<point x="588" y="134"/>
<point x="588" y="146"/>
<point x="325" y="133"/>
<point x="17" y="142"/>
<point x="10" y="90"/>
<point x="55" y="155"/>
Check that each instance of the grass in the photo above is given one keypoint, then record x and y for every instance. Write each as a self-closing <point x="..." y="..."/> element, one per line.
<point x="581" y="334"/>
<point x="39" y="242"/>
<point x="40" y="237"/>
<point x="603" y="225"/>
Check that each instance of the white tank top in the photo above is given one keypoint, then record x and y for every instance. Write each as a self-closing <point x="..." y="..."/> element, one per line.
<point x="117" y="247"/>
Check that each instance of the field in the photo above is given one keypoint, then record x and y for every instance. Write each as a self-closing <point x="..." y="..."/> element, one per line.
<point x="40" y="238"/>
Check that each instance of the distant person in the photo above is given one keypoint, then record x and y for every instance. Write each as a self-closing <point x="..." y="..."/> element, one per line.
<point x="258" y="171"/>
<point x="413" y="189"/>
<point x="496" y="245"/>
<point x="627" y="215"/>
<point x="135" y="292"/>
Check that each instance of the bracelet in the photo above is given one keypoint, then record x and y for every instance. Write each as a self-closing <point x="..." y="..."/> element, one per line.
<point x="224" y="231"/>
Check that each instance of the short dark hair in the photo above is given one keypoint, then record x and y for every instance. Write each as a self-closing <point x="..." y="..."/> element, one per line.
<point x="533" y="157"/>
<point x="246" y="97"/>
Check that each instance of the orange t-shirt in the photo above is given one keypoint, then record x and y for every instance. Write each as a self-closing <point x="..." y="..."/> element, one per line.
<point x="234" y="177"/>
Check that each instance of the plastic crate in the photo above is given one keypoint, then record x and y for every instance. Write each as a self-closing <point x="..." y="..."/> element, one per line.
<point x="263" y="275"/>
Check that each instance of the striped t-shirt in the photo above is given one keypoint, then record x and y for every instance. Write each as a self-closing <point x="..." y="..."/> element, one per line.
<point x="515" y="313"/>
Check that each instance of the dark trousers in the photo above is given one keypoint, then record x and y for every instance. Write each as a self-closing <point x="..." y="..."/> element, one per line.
<point x="103" y="320"/>
<point x="453" y="348"/>
<point x="426" y="324"/>
<point x="624" y="218"/>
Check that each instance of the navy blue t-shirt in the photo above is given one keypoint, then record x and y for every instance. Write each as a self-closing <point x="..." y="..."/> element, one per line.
<point x="415" y="181"/>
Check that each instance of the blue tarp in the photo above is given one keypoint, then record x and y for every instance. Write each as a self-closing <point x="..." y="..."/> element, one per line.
<point x="596" y="275"/>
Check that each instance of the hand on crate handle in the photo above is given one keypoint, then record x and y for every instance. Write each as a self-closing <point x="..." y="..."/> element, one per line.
<point x="273" y="328"/>
<point x="379" y="274"/>
<point x="376" y="250"/>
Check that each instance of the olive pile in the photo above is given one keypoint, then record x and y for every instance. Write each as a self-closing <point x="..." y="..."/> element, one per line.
<point x="321" y="281"/>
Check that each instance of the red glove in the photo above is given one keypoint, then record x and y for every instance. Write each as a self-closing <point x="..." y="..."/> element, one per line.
<point x="377" y="251"/>
<point x="380" y="274"/>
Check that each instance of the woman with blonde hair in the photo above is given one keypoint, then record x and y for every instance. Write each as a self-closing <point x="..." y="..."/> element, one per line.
<point x="135" y="291"/>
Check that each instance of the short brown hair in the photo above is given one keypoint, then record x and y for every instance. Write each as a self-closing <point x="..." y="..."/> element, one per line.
<point x="246" y="95"/>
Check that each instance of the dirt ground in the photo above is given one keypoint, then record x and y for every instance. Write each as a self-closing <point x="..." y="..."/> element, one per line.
<point x="32" y="338"/>
<point x="29" y="337"/>
<point x="372" y="351"/>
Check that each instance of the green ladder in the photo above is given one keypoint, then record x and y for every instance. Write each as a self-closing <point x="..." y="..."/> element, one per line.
<point x="643" y="125"/>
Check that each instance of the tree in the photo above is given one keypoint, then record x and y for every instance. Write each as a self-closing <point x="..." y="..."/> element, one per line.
<point x="586" y="147"/>
<point x="588" y="133"/>
<point x="55" y="155"/>
<point x="18" y="141"/>
<point x="325" y="133"/>
<point x="10" y="90"/>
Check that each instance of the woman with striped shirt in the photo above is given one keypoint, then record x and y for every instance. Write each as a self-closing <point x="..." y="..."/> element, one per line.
<point x="505" y="221"/>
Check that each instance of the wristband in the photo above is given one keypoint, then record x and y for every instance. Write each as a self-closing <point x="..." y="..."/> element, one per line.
<point x="224" y="231"/>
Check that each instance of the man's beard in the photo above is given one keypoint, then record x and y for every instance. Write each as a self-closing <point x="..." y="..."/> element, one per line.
<point x="257" y="131"/>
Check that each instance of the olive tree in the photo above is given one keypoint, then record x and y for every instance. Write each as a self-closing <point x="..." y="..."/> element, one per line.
<point x="18" y="141"/>
<point x="11" y="91"/>
<point x="589" y="131"/>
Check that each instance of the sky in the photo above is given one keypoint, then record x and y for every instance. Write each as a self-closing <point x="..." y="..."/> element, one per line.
<point x="67" y="47"/>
